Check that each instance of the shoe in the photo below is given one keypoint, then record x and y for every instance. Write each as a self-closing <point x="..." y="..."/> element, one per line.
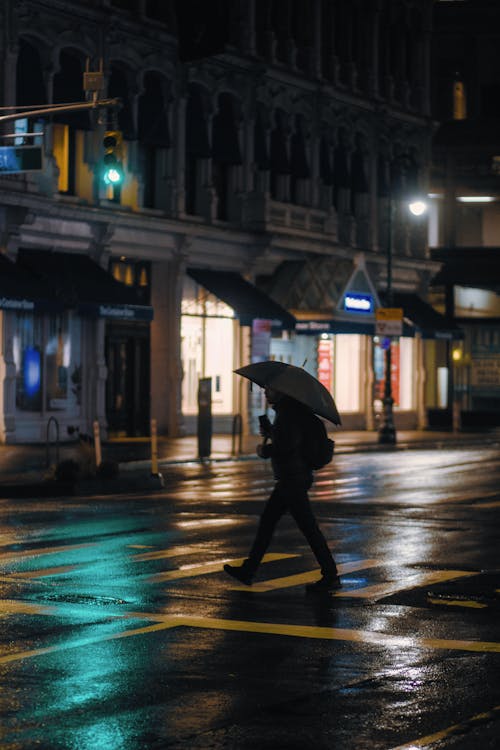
<point x="324" y="585"/>
<point x="239" y="572"/>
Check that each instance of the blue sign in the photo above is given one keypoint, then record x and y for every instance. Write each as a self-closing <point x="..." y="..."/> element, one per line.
<point x="358" y="303"/>
<point x="32" y="371"/>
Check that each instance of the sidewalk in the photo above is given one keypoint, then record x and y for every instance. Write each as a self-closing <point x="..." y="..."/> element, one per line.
<point x="30" y="464"/>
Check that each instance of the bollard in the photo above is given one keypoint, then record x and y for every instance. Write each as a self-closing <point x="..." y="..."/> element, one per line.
<point x="97" y="444"/>
<point x="154" y="454"/>
<point x="154" y="448"/>
<point x="236" y="433"/>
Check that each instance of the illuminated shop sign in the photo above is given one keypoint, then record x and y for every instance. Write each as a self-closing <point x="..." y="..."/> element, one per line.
<point x="359" y="303"/>
<point x="6" y="303"/>
<point x="313" y="326"/>
<point x="117" y="312"/>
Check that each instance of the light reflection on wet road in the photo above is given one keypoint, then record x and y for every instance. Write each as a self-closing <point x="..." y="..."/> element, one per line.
<point x="119" y="630"/>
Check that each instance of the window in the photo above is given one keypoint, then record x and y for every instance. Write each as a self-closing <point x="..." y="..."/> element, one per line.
<point x="45" y="362"/>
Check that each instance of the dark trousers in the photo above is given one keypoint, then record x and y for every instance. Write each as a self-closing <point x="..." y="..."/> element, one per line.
<point x="291" y="495"/>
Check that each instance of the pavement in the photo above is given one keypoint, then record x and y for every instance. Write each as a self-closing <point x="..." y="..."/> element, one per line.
<point x="26" y="470"/>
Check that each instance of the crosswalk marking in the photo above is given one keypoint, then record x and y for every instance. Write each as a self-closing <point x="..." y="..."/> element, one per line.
<point x="160" y="554"/>
<point x="424" y="578"/>
<point x="213" y="567"/>
<point x="302" y="578"/>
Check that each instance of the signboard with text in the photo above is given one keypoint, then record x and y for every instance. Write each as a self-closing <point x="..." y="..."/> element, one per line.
<point x="389" y="321"/>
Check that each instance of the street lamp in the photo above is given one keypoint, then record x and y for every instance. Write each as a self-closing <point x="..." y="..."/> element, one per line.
<point x="387" y="432"/>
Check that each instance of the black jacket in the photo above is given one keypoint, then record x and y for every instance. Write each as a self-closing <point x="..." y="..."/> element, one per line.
<point x="286" y="449"/>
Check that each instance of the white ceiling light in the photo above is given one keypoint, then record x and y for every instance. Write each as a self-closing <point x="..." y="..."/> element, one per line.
<point x="475" y="198"/>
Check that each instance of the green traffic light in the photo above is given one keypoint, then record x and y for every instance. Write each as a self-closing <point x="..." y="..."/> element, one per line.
<point x="112" y="172"/>
<point x="113" y="175"/>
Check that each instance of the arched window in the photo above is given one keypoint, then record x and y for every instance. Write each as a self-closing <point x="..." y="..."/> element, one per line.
<point x="30" y="92"/>
<point x="197" y="144"/>
<point x="119" y="88"/>
<point x="299" y="167"/>
<point x="154" y="135"/>
<point x="68" y="88"/>
<point x="225" y="150"/>
<point x="261" y="151"/>
<point x="280" y="161"/>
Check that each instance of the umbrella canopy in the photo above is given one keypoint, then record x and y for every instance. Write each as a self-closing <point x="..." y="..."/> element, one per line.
<point x="295" y="382"/>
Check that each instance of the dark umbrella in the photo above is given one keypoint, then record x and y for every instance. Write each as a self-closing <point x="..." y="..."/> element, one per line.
<point x="295" y="382"/>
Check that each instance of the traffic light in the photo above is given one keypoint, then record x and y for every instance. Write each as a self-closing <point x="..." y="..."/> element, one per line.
<point x="112" y="172"/>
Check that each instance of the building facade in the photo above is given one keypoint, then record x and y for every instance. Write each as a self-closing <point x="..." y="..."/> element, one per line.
<point x="265" y="176"/>
<point x="465" y="216"/>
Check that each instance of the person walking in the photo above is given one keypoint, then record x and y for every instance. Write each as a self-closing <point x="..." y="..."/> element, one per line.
<point x="293" y="477"/>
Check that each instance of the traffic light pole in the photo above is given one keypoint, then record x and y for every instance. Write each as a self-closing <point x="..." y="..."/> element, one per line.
<point x="55" y="108"/>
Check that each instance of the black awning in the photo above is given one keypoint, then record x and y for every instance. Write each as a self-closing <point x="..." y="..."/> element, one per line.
<point x="473" y="267"/>
<point x="248" y="302"/>
<point x="80" y="283"/>
<point x="427" y="321"/>
<point x="21" y="290"/>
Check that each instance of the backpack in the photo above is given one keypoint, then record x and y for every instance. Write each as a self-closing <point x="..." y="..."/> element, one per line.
<point x="317" y="446"/>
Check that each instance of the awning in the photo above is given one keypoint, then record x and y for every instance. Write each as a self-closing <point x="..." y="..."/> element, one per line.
<point x="22" y="291"/>
<point x="80" y="283"/>
<point x="339" y="326"/>
<point x="475" y="267"/>
<point x="248" y="302"/>
<point x="427" y="321"/>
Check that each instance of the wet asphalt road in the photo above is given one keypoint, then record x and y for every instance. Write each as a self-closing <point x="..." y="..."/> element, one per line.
<point x="118" y="630"/>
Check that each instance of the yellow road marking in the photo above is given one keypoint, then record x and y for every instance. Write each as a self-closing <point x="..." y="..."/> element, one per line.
<point x="21" y="554"/>
<point x="449" y="731"/>
<point x="326" y="633"/>
<point x="302" y="578"/>
<point x="59" y="570"/>
<point x="214" y="567"/>
<point x="426" y="578"/>
<point x="493" y="504"/>
<point x="164" y="625"/>
<point x="457" y="602"/>
<point x="164" y="621"/>
<point x="160" y="554"/>
<point x="15" y="607"/>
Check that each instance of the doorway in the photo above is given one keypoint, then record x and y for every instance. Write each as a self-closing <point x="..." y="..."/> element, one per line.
<point x="128" y="382"/>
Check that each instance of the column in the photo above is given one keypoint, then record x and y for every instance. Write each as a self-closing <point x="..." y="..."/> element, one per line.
<point x="166" y="367"/>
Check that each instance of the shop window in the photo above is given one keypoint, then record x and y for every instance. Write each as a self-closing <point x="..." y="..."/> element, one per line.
<point x="207" y="342"/>
<point x="346" y="364"/>
<point x="43" y="361"/>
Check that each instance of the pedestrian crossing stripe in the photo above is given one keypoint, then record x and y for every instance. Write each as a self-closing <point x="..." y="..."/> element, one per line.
<point x="190" y="571"/>
<point x="303" y="578"/>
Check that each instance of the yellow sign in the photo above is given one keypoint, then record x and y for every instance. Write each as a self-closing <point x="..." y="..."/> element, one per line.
<point x="389" y="321"/>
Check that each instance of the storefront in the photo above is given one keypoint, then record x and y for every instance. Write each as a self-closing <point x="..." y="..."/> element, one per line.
<point x="225" y="322"/>
<point x="342" y="349"/>
<point x="53" y="357"/>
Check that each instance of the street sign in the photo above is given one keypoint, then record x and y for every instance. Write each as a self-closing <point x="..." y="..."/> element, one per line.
<point x="389" y="321"/>
<point x="15" y="159"/>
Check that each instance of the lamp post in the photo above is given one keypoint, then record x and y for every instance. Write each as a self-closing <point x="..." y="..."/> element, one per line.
<point x="387" y="432"/>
